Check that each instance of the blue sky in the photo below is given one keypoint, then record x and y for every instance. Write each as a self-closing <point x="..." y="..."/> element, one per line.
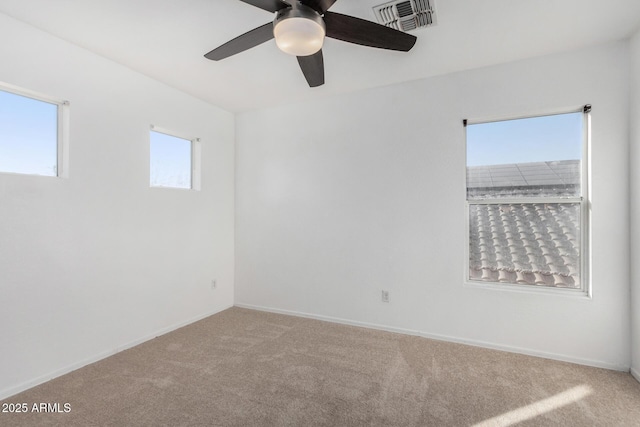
<point x="170" y="161"/>
<point x="538" y="139"/>
<point x="28" y="135"/>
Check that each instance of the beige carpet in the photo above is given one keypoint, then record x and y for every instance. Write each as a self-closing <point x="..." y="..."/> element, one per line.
<point x="248" y="368"/>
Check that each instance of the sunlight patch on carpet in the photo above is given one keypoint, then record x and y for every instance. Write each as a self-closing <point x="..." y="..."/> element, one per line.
<point x="538" y="408"/>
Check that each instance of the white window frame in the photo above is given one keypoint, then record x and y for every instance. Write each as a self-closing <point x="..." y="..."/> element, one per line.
<point x="195" y="159"/>
<point x="62" y="137"/>
<point x="583" y="199"/>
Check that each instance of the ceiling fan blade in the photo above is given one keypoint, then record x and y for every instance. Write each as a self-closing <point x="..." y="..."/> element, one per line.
<point x="268" y="5"/>
<point x="312" y="67"/>
<point x="241" y="43"/>
<point x="355" y="30"/>
<point x="321" y="6"/>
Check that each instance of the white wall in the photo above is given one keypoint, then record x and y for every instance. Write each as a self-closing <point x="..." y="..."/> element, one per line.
<point x="635" y="204"/>
<point x="340" y="198"/>
<point x="94" y="263"/>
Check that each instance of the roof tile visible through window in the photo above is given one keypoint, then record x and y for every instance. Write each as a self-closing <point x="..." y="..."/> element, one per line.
<point x="528" y="243"/>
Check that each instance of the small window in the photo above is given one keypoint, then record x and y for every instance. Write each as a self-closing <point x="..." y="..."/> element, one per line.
<point x="526" y="204"/>
<point x="30" y="133"/>
<point x="172" y="160"/>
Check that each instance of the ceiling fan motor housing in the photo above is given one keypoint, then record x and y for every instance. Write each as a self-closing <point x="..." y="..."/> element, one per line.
<point x="299" y="30"/>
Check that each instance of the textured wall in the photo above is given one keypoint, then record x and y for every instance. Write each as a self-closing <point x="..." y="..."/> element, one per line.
<point x="95" y="262"/>
<point x="341" y="198"/>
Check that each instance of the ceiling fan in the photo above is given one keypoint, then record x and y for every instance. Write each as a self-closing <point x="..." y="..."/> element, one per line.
<point x="300" y="27"/>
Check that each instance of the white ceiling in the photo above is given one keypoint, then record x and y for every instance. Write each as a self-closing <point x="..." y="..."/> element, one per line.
<point x="166" y="40"/>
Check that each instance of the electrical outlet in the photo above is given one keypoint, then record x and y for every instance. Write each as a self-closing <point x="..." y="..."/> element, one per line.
<point x="385" y="296"/>
<point x="214" y="284"/>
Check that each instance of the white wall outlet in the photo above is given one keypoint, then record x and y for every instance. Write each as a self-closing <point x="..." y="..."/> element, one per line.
<point x="385" y="296"/>
<point x="214" y="284"/>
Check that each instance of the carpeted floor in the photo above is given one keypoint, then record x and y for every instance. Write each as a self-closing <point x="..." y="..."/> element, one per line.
<point x="249" y="368"/>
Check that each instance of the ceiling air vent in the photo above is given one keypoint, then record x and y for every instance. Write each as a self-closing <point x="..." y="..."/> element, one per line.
<point x="406" y="15"/>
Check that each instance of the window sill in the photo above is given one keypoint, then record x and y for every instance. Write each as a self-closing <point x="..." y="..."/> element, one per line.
<point x="528" y="289"/>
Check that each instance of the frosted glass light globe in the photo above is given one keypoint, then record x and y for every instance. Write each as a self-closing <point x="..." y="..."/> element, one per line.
<point x="299" y="36"/>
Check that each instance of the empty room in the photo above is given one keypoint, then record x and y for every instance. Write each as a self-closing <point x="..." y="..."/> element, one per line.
<point x="320" y="212"/>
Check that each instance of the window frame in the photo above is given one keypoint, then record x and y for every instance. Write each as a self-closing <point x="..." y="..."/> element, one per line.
<point x="62" y="135"/>
<point x="583" y="199"/>
<point x="195" y="168"/>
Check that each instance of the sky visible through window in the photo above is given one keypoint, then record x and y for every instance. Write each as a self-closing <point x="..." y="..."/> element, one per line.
<point x="28" y="135"/>
<point x="536" y="139"/>
<point x="170" y="161"/>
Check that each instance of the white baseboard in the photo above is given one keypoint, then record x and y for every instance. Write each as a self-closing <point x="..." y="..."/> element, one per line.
<point x="447" y="338"/>
<point x="635" y="374"/>
<point x="11" y="391"/>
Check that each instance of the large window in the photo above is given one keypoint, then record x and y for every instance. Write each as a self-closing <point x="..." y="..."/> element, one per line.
<point x="173" y="160"/>
<point x="31" y="133"/>
<point x="526" y="201"/>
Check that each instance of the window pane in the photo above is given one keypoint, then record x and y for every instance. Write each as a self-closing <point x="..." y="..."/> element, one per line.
<point x="531" y="157"/>
<point x="170" y="161"/>
<point x="525" y="243"/>
<point x="28" y="135"/>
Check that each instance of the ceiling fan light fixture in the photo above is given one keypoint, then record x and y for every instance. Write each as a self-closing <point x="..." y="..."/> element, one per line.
<point x="299" y="31"/>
